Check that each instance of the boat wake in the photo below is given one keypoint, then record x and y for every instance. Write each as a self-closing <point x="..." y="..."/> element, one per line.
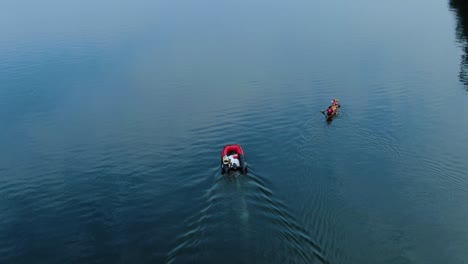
<point x="242" y="222"/>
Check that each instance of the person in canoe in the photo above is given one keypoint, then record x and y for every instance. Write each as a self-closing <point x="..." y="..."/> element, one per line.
<point x="335" y="104"/>
<point x="330" y="110"/>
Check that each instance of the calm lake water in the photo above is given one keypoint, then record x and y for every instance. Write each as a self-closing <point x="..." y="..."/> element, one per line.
<point x="113" y="115"/>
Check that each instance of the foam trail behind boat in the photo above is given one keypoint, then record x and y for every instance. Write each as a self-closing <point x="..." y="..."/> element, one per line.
<point x="244" y="212"/>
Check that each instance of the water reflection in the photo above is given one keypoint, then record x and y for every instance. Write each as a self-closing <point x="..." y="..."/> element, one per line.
<point x="460" y="7"/>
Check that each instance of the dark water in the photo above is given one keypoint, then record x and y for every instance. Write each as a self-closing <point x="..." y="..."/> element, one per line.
<point x="113" y="114"/>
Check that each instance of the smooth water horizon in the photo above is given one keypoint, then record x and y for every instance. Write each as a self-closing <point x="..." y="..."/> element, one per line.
<point x="114" y="114"/>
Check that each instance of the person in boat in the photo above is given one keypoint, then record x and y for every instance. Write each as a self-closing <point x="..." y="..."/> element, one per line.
<point x="334" y="106"/>
<point x="335" y="103"/>
<point x="233" y="160"/>
<point x="226" y="160"/>
<point x="330" y="110"/>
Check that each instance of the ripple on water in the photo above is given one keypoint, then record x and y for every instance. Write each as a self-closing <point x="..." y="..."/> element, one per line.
<point x="247" y="211"/>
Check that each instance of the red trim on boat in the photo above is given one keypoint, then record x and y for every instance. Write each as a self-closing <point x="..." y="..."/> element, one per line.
<point x="228" y="148"/>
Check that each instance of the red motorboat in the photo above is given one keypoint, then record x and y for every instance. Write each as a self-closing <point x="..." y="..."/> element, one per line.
<point x="233" y="159"/>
